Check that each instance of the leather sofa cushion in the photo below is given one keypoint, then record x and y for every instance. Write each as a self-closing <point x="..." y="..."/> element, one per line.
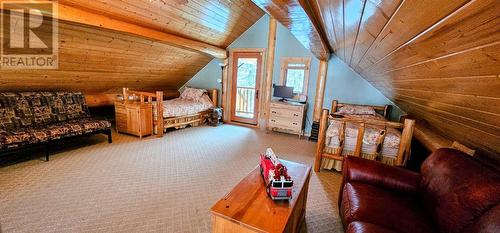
<point x="393" y="210"/>
<point x="488" y="222"/>
<point x="380" y="175"/>
<point x="457" y="190"/>
<point x="364" y="227"/>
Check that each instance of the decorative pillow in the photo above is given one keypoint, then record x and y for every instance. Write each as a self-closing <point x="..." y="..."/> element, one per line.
<point x="349" y="109"/>
<point x="205" y="99"/>
<point x="192" y="93"/>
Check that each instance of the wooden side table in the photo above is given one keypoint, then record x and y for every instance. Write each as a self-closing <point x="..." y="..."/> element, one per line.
<point x="134" y="118"/>
<point x="248" y="208"/>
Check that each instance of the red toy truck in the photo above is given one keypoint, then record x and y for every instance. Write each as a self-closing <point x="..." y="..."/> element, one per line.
<point x="278" y="182"/>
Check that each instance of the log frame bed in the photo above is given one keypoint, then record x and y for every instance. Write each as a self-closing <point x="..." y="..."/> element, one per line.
<point x="403" y="153"/>
<point x="160" y="126"/>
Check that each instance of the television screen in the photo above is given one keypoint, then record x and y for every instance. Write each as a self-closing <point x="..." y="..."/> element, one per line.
<point x="283" y="92"/>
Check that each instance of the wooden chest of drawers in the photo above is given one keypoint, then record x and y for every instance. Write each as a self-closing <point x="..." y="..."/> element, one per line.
<point x="134" y="118"/>
<point x="287" y="117"/>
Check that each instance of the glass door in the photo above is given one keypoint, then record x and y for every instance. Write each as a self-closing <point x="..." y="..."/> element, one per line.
<point x="245" y="87"/>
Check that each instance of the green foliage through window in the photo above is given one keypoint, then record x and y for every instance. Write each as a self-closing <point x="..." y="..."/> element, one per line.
<point x="295" y="78"/>
<point x="247" y="72"/>
<point x="295" y="73"/>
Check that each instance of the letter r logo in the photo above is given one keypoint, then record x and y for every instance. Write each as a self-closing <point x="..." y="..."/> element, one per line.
<point x="27" y="28"/>
<point x="36" y="20"/>
<point x="29" y="34"/>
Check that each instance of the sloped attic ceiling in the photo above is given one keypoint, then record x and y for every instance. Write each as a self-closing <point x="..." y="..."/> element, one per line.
<point x="97" y="59"/>
<point x="437" y="60"/>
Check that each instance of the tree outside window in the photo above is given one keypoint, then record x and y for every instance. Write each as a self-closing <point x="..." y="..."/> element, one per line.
<point x="295" y="73"/>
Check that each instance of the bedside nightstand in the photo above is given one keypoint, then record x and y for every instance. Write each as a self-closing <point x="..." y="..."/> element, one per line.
<point x="134" y="118"/>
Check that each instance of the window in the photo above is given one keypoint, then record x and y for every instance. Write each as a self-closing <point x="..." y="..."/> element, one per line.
<point x="295" y="73"/>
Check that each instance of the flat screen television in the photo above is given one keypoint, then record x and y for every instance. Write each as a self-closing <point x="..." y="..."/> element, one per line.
<point x="283" y="92"/>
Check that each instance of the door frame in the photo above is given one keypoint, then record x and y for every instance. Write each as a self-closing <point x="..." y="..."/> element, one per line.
<point x="229" y="83"/>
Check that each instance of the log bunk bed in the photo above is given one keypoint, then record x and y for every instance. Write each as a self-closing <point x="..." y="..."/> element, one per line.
<point x="161" y="124"/>
<point x="341" y="135"/>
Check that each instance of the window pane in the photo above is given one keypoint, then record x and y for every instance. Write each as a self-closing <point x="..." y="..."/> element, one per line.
<point x="247" y="72"/>
<point x="295" y="79"/>
<point x="245" y="87"/>
<point x="296" y="65"/>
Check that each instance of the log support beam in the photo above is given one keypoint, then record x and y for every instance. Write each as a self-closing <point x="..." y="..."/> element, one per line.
<point x="225" y="82"/>
<point x="268" y="81"/>
<point x="320" y="89"/>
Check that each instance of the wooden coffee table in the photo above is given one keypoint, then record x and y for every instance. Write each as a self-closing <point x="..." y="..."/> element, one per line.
<point x="248" y="208"/>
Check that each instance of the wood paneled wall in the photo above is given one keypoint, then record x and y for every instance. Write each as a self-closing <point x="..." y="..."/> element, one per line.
<point x="437" y="60"/>
<point x="97" y="60"/>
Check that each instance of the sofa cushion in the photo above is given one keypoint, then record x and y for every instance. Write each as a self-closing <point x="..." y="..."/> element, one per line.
<point x="15" y="112"/>
<point x="393" y="210"/>
<point x="364" y="227"/>
<point x="14" y="139"/>
<point x="457" y="190"/>
<point x="17" y="138"/>
<point x="75" y="127"/>
<point x="34" y="109"/>
<point x="69" y="106"/>
<point x="488" y="222"/>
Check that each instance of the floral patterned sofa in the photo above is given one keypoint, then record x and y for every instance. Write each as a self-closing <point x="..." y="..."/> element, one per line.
<point x="41" y="118"/>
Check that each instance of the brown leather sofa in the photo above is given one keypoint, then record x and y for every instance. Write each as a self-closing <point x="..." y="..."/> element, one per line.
<point x="453" y="193"/>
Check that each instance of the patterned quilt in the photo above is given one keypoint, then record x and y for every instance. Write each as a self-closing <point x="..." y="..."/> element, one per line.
<point x="181" y="107"/>
<point x="372" y="133"/>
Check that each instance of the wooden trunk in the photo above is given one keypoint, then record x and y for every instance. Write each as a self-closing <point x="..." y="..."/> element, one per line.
<point x="248" y="208"/>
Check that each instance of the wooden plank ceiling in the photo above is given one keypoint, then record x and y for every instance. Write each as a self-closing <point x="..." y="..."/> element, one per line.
<point x="437" y="60"/>
<point x="295" y="15"/>
<point x="103" y="58"/>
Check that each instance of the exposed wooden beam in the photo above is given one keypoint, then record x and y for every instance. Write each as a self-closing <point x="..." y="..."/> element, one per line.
<point x="268" y="82"/>
<point x="296" y="15"/>
<point x="429" y="138"/>
<point x="320" y="89"/>
<point x="72" y="14"/>
<point x="75" y="15"/>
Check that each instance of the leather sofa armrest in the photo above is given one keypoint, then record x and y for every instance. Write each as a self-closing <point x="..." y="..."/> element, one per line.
<point x="361" y="170"/>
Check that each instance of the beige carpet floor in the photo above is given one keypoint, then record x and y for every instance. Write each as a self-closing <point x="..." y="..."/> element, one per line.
<point x="152" y="185"/>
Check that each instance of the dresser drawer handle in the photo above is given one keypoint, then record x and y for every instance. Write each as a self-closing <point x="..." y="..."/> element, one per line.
<point x="295" y="123"/>
<point x="273" y="111"/>
<point x="295" y="114"/>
